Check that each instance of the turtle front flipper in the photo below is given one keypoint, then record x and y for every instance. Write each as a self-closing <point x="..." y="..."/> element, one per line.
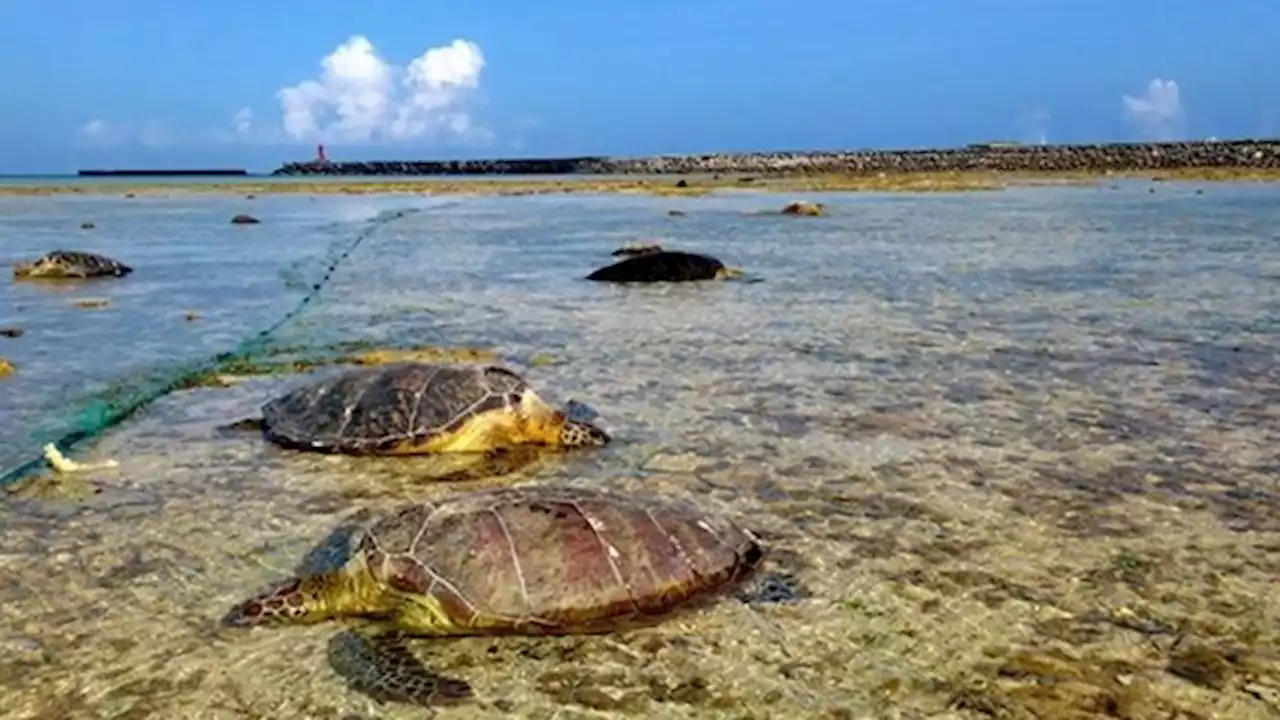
<point x="500" y="462"/>
<point x="244" y="425"/>
<point x="375" y="660"/>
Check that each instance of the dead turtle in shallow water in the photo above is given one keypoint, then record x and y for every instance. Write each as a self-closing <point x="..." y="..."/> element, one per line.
<point x="538" y="560"/>
<point x="637" y="249"/>
<point x="418" y="408"/>
<point x="665" y="266"/>
<point x="69" y="265"/>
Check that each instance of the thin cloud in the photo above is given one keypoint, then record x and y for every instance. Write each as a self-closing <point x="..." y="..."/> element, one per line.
<point x="1035" y="126"/>
<point x="242" y="121"/>
<point x="1157" y="114"/>
<point x="100" y="132"/>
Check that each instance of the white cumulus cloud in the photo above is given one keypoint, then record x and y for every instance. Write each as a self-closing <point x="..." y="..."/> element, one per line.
<point x="360" y="97"/>
<point x="1158" y="113"/>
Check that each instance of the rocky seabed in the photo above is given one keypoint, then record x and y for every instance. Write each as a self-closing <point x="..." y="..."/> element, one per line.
<point x="1036" y="158"/>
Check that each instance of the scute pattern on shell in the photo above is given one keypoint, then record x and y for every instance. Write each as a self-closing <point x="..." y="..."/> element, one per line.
<point x="661" y="266"/>
<point x="557" y="560"/>
<point x="371" y="409"/>
<point x="76" y="264"/>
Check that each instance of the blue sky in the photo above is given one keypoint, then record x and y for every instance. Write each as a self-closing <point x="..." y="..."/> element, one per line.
<point x="146" y="82"/>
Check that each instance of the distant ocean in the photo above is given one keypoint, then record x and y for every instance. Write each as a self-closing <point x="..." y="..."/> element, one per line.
<point x="251" y="178"/>
<point x="261" y="178"/>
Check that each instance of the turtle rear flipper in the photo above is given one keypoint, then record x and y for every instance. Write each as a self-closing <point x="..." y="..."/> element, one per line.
<point x="767" y="588"/>
<point x="375" y="661"/>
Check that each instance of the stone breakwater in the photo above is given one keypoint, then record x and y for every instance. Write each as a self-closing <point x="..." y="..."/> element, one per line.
<point x="1256" y="154"/>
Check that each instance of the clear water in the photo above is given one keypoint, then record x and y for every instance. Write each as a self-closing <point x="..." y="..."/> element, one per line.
<point x="978" y="428"/>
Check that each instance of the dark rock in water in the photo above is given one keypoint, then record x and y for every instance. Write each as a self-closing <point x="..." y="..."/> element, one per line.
<point x="665" y="266"/>
<point x="87" y="226"/>
<point x="243" y="219"/>
<point x="11" y="332"/>
<point x="675" y="213"/>
<point x="70" y="265"/>
<point x="639" y="249"/>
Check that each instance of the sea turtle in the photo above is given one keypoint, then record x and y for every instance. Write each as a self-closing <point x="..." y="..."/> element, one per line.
<point x="665" y="266"/>
<point x="637" y="249"/>
<point x="535" y="560"/>
<point x="69" y="265"/>
<point x="804" y="208"/>
<point x="416" y="408"/>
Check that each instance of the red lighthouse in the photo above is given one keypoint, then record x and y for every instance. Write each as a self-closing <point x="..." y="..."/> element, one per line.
<point x="320" y="154"/>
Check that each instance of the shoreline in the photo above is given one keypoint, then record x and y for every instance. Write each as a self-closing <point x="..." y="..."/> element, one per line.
<point x="681" y="186"/>
<point x="975" y="157"/>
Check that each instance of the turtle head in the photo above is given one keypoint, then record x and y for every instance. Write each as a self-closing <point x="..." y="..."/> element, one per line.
<point x="545" y="425"/>
<point x="577" y="433"/>
<point x="728" y="273"/>
<point x="23" y="268"/>
<point x="310" y="599"/>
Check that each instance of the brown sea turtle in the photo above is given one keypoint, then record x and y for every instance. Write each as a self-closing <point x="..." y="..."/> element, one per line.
<point x="665" y="266"/>
<point x="418" y="408"/>
<point x="804" y="208"/>
<point x="637" y="249"/>
<point x="537" y="560"/>
<point x="69" y="265"/>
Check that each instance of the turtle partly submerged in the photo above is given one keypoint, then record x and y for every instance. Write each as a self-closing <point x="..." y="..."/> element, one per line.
<point x="418" y="408"/>
<point x="665" y="266"/>
<point x="537" y="560"/>
<point x="637" y="249"/>
<point x="69" y="265"/>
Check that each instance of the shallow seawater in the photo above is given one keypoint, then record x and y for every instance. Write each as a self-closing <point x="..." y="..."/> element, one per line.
<point x="1018" y="448"/>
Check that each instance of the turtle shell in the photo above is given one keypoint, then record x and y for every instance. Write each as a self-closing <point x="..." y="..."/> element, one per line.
<point x="557" y="560"/>
<point x="660" y="266"/>
<point x="374" y="410"/>
<point x="72" y="264"/>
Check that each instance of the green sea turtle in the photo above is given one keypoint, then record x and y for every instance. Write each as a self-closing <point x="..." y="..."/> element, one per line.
<point x="665" y="266"/>
<point x="804" y="208"/>
<point x="536" y="560"/>
<point x="418" y="408"/>
<point x="69" y="265"/>
<point x="637" y="249"/>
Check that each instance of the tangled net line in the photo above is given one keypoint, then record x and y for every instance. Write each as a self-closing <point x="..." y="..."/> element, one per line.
<point x="113" y="406"/>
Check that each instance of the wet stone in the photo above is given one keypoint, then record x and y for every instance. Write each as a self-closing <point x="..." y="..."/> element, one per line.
<point x="684" y="463"/>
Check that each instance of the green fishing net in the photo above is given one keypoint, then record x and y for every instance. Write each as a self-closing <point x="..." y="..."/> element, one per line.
<point x="313" y="332"/>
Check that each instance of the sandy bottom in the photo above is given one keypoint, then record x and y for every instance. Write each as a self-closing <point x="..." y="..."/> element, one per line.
<point x="1083" y="524"/>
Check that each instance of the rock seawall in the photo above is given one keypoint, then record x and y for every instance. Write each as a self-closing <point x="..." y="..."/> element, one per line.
<point x="993" y="157"/>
